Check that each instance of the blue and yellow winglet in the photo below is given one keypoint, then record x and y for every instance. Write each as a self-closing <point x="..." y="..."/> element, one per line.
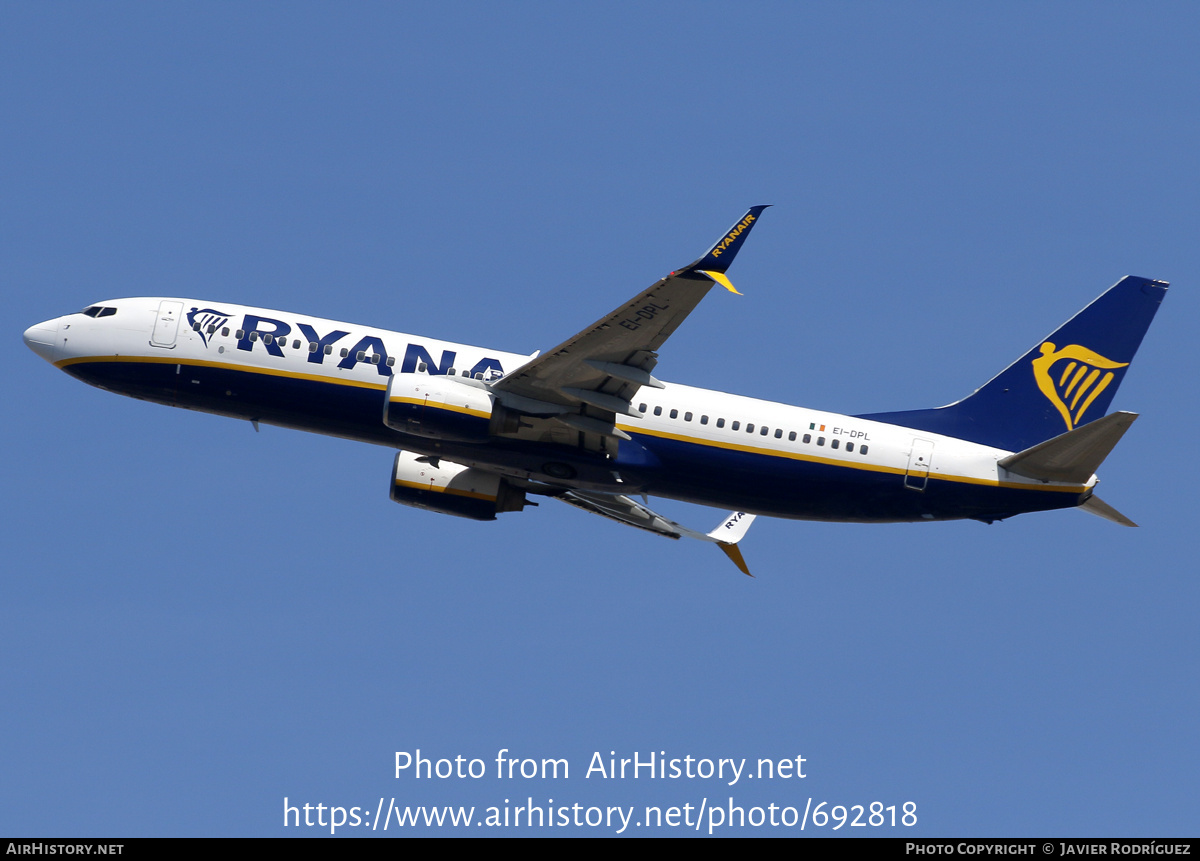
<point x="716" y="262"/>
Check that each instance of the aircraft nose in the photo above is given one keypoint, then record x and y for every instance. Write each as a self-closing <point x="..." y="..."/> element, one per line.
<point x="42" y="338"/>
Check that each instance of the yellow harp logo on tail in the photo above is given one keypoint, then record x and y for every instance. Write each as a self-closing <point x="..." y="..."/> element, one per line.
<point x="1078" y="381"/>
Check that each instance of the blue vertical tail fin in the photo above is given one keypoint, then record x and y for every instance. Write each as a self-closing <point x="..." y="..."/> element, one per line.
<point x="1068" y="379"/>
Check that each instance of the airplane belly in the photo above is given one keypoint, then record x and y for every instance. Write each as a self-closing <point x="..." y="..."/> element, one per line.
<point x="304" y="404"/>
<point x="337" y="409"/>
<point x="806" y="489"/>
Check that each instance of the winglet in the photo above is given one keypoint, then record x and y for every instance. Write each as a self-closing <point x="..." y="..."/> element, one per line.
<point x="731" y="550"/>
<point x="716" y="262"/>
<point x="729" y="532"/>
<point x="722" y="279"/>
<point x="732" y="528"/>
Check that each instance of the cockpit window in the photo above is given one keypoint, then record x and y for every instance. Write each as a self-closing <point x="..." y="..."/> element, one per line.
<point x="98" y="311"/>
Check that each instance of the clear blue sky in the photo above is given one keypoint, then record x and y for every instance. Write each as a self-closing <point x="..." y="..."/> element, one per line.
<point x="200" y="620"/>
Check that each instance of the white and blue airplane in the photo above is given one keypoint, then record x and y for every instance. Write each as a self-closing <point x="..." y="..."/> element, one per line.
<point x="479" y="431"/>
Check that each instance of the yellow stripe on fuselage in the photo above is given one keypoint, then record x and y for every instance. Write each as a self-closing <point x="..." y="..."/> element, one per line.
<point x="438" y="405"/>
<point x="769" y="452"/>
<point x="866" y="467"/>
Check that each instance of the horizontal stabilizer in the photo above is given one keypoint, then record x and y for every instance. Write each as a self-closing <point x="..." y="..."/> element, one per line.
<point x="1097" y="506"/>
<point x="1073" y="456"/>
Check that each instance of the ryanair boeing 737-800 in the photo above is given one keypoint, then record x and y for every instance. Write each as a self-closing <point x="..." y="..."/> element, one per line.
<point x="478" y="431"/>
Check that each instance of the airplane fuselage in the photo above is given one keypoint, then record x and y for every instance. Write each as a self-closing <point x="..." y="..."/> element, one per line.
<point x="689" y="443"/>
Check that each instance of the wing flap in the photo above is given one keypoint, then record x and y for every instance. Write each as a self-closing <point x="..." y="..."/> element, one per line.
<point x="624" y="509"/>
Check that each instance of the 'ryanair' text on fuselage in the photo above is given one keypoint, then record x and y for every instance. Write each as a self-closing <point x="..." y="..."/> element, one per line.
<point x="255" y="329"/>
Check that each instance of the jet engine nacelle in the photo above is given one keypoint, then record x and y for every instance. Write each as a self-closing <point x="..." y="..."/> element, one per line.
<point x="438" y="407"/>
<point x="451" y="488"/>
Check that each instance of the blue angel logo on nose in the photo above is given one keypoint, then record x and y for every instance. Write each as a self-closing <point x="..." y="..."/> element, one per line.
<point x="206" y="321"/>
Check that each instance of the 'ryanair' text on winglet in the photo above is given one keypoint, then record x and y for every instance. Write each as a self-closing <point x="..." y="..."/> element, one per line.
<point x="716" y="262"/>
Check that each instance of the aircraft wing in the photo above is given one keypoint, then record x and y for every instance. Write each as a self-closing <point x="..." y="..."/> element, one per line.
<point x="603" y="366"/>
<point x="623" y="509"/>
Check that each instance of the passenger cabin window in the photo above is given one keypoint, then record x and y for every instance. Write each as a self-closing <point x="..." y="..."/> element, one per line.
<point x="329" y="349"/>
<point x="820" y="440"/>
<point x="674" y="414"/>
<point x="391" y="361"/>
<point x="834" y="443"/>
<point x="296" y="344"/>
<point x="862" y="449"/>
<point x="687" y="417"/>
<point x="850" y="447"/>
<point x="720" y="423"/>
<point x="750" y="428"/>
<point x="735" y="426"/>
<point x="225" y="332"/>
<point x="808" y="437"/>
<point x="703" y="420"/>
<point x="641" y="408"/>
<point x="313" y="346"/>
<point x="658" y="411"/>
<point x="779" y="434"/>
<point x="239" y="334"/>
